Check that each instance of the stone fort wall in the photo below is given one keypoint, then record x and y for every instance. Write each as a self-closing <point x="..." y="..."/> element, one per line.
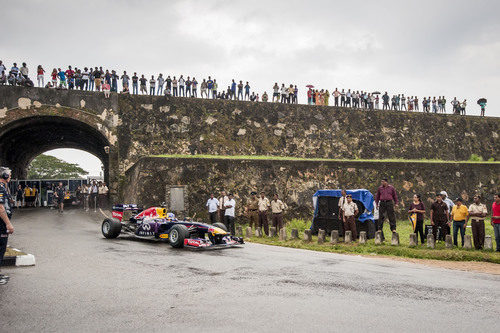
<point x="149" y="181"/>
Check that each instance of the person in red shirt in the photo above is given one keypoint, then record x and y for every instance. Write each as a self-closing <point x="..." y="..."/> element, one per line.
<point x="495" y="219"/>
<point x="386" y="200"/>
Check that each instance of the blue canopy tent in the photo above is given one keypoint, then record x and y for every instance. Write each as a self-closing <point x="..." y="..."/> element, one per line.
<point x="361" y="195"/>
<point x="326" y="211"/>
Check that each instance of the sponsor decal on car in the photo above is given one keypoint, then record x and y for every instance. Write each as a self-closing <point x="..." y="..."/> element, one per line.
<point x="117" y="215"/>
<point x="164" y="236"/>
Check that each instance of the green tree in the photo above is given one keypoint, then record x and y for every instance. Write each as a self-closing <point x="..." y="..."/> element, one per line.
<point x="50" y="167"/>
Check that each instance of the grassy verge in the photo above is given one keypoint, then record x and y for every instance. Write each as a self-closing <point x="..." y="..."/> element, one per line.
<point x="404" y="230"/>
<point x="12" y="253"/>
<point x="282" y="158"/>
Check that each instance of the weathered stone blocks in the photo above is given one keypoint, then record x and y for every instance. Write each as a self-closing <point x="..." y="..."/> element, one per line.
<point x="321" y="236"/>
<point x="488" y="243"/>
<point x="307" y="235"/>
<point x="272" y="232"/>
<point x="468" y="242"/>
<point x="413" y="240"/>
<point x="295" y="234"/>
<point x="362" y="237"/>
<point x="378" y="237"/>
<point x="431" y="242"/>
<point x="334" y="237"/>
<point x="348" y="237"/>
<point x="395" y="239"/>
<point x="448" y="242"/>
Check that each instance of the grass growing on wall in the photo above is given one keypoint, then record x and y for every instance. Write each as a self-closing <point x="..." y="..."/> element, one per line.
<point x="282" y="158"/>
<point x="404" y="230"/>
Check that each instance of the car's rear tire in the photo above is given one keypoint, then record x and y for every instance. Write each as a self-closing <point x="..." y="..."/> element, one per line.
<point x="221" y="226"/>
<point x="111" y="228"/>
<point x="177" y="235"/>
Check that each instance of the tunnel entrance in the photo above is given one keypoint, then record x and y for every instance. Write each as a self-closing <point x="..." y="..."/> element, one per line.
<point x="24" y="139"/>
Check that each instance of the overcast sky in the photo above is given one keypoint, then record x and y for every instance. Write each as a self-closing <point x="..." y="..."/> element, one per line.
<point x="424" y="48"/>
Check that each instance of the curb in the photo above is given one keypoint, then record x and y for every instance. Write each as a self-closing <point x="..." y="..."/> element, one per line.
<point x="24" y="260"/>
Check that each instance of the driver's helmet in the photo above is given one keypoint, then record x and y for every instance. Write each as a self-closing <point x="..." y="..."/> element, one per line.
<point x="171" y="216"/>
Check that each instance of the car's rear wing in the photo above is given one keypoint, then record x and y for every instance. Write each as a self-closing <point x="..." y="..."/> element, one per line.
<point x="118" y="210"/>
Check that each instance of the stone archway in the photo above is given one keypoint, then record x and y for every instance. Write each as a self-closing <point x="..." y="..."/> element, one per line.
<point x="26" y="133"/>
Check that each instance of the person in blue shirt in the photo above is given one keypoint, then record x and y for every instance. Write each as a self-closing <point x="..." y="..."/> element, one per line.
<point x="247" y="91"/>
<point x="233" y="89"/>
<point x="62" y="78"/>
<point x="210" y="84"/>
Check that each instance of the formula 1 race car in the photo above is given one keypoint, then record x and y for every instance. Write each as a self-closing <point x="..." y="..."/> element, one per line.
<point x="155" y="223"/>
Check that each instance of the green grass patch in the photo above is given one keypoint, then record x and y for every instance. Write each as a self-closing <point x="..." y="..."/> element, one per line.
<point x="403" y="250"/>
<point x="12" y="253"/>
<point x="283" y="158"/>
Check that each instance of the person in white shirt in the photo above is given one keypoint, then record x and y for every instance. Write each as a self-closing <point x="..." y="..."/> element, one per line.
<point x="349" y="212"/>
<point x="182" y="83"/>
<point x="222" y="209"/>
<point x="229" y="214"/>
<point x="160" y="81"/>
<point x="341" y="202"/>
<point x="213" y="206"/>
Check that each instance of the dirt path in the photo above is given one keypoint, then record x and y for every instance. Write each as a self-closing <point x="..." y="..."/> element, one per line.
<point x="469" y="266"/>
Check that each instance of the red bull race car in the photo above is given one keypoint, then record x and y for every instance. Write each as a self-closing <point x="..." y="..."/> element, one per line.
<point x="155" y="223"/>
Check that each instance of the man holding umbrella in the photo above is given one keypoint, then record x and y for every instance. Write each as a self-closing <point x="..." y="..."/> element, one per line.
<point x="482" y="103"/>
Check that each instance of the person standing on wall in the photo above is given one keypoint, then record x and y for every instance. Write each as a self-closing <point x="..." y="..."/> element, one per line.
<point x="349" y="213"/>
<point x="252" y="210"/>
<point x="440" y="218"/>
<point x="229" y="214"/>
<point x="417" y="207"/>
<point x="222" y="209"/>
<point x="386" y="199"/>
<point x="477" y="213"/>
<point x="6" y="227"/>
<point x="264" y="205"/>
<point x="495" y="219"/>
<point x="460" y="216"/>
<point x="212" y="205"/>
<point x="277" y="208"/>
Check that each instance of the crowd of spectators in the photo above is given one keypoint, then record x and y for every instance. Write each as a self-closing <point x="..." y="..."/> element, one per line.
<point x="98" y="79"/>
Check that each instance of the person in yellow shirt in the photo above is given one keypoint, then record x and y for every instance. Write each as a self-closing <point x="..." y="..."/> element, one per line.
<point x="459" y="215"/>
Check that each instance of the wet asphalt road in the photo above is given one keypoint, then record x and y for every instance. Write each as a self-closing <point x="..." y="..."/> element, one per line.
<point x="83" y="282"/>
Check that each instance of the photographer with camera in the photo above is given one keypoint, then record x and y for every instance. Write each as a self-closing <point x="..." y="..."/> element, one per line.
<point x="6" y="227"/>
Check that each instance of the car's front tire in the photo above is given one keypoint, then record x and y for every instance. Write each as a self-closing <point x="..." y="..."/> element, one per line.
<point x="111" y="228"/>
<point x="177" y="235"/>
<point x="221" y="226"/>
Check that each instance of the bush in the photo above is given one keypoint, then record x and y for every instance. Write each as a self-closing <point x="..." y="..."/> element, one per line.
<point x="475" y="158"/>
